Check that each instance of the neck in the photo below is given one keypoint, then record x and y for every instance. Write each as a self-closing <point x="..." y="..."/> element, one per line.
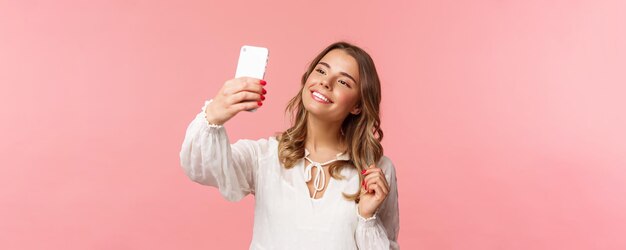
<point x="323" y="135"/>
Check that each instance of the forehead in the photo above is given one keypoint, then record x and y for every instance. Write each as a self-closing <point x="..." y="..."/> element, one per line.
<point x="341" y="61"/>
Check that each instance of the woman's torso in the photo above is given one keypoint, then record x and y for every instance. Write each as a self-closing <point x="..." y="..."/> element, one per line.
<point x="286" y="215"/>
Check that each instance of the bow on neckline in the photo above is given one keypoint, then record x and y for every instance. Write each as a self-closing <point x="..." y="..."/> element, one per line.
<point x="319" y="182"/>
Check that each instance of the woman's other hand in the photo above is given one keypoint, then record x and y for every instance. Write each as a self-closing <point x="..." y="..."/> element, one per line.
<point x="374" y="191"/>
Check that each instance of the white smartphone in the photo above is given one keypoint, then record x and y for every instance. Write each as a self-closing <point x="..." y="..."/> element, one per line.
<point x="252" y="62"/>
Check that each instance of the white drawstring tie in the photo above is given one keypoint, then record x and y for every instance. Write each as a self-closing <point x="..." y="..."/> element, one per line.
<point x="318" y="183"/>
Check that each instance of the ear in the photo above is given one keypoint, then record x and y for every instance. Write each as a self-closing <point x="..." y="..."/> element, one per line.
<point x="356" y="110"/>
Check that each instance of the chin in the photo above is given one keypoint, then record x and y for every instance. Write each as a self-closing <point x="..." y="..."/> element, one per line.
<point x="320" y="112"/>
<point x="312" y="108"/>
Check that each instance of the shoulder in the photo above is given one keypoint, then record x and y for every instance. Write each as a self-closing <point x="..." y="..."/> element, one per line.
<point x="387" y="166"/>
<point x="261" y="146"/>
<point x="262" y="141"/>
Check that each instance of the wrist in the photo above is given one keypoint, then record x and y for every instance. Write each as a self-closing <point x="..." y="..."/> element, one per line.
<point x="209" y="118"/>
<point x="212" y="122"/>
<point x="365" y="215"/>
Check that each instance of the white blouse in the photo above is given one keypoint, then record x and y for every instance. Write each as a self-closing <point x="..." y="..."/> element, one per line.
<point x="285" y="215"/>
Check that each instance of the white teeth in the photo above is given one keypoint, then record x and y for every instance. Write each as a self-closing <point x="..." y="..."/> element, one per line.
<point x="321" y="96"/>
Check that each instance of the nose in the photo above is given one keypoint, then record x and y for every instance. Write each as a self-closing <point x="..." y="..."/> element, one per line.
<point x="325" y="84"/>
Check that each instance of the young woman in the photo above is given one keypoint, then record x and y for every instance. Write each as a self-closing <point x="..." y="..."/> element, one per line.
<point x="321" y="184"/>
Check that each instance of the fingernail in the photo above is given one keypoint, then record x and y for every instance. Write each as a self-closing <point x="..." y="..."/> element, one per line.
<point x="264" y="91"/>
<point x="262" y="98"/>
<point x="363" y="172"/>
<point x="260" y="103"/>
<point x="263" y="82"/>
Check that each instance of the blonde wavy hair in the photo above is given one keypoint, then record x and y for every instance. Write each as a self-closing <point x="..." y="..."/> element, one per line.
<point x="361" y="133"/>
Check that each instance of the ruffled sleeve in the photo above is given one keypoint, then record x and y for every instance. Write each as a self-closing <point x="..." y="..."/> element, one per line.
<point x="208" y="158"/>
<point x="381" y="230"/>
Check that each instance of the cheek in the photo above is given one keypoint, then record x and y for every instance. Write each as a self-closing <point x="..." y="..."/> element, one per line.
<point x="347" y="98"/>
<point x="311" y="81"/>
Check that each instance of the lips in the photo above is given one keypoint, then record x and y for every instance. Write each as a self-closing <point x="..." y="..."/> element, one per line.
<point x="320" y="98"/>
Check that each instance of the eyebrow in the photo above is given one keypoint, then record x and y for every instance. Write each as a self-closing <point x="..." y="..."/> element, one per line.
<point x="342" y="73"/>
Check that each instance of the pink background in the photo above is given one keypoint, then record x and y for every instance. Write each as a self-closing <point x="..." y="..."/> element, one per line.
<point x="505" y="119"/>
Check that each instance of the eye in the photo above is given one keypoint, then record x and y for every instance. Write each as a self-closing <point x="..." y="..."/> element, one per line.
<point x="321" y="71"/>
<point x="344" y="83"/>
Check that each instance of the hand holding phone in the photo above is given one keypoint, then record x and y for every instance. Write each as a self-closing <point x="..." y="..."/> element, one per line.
<point x="245" y="91"/>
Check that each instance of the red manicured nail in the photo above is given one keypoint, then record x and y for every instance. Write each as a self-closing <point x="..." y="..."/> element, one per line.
<point x="263" y="82"/>
<point x="264" y="91"/>
<point x="363" y="172"/>
<point x="260" y="103"/>
<point x="262" y="97"/>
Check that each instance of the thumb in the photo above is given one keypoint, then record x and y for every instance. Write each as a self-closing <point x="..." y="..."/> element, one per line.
<point x="363" y="190"/>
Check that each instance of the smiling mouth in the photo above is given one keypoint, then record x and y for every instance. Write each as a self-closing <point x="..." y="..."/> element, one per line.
<point x="320" y="98"/>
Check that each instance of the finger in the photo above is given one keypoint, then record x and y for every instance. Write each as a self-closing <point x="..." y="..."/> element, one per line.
<point x="376" y="172"/>
<point x="369" y="180"/>
<point x="237" y="85"/>
<point x="368" y="184"/>
<point x="251" y="84"/>
<point x="377" y="181"/>
<point x="374" y="188"/>
<point x="246" y="105"/>
<point x="244" y="96"/>
<point x="383" y="185"/>
<point x="252" y="79"/>
<point x="370" y="176"/>
<point x="379" y="192"/>
<point x="383" y="178"/>
<point x="371" y="170"/>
